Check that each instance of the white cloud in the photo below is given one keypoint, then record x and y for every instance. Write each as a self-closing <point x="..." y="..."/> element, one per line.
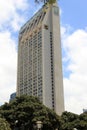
<point x="75" y="87"/>
<point x="10" y="13"/>
<point x="8" y="62"/>
<point x="12" y="16"/>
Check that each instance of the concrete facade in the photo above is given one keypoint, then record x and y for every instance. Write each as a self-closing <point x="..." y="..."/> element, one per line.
<point x="39" y="58"/>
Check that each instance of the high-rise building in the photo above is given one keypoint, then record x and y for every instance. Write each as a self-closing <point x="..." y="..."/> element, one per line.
<point x="39" y="58"/>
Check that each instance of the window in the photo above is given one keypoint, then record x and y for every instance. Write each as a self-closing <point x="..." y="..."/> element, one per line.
<point x="46" y="27"/>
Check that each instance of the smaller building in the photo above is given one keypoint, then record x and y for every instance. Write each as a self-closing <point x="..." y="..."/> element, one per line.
<point x="12" y="96"/>
<point x="84" y="110"/>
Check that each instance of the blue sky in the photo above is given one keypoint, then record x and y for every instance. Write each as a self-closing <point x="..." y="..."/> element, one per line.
<point x="73" y="25"/>
<point x="74" y="12"/>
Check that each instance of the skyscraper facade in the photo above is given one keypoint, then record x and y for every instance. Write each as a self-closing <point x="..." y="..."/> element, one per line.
<point x="39" y="58"/>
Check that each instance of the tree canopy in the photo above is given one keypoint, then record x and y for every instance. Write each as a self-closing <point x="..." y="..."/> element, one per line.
<point x="25" y="111"/>
<point x="50" y="1"/>
<point x="71" y="120"/>
<point x="4" y="125"/>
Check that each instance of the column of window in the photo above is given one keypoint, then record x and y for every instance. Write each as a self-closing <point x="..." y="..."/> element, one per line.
<point x="40" y="65"/>
<point x="35" y="64"/>
<point x="30" y="66"/>
<point x="20" y="70"/>
<point x="25" y="66"/>
<point x="52" y="68"/>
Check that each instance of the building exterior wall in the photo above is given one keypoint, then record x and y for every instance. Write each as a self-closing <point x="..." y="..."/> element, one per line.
<point x="58" y="78"/>
<point x="39" y="59"/>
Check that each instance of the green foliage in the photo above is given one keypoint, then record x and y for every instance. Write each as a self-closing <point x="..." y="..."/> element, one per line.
<point x="52" y="1"/>
<point x="82" y="125"/>
<point x="4" y="124"/>
<point x="26" y="110"/>
<point x="71" y="120"/>
<point x="69" y="117"/>
<point x="49" y="1"/>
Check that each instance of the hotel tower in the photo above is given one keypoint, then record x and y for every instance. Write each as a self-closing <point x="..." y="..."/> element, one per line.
<point x="39" y="58"/>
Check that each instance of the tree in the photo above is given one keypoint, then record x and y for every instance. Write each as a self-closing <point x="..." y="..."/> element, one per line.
<point x="82" y="125"/>
<point x="24" y="111"/>
<point x="45" y="1"/>
<point x="4" y="125"/>
<point x="70" y="120"/>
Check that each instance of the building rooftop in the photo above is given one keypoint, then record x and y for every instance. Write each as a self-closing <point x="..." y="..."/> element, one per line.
<point x="34" y="21"/>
